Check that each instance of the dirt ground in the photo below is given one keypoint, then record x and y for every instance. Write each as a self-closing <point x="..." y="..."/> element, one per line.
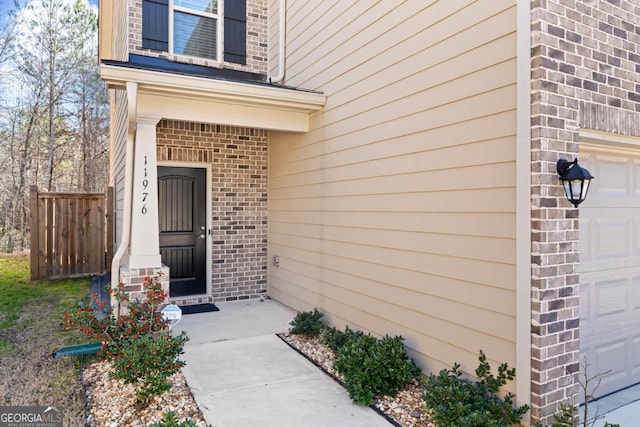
<point x="28" y="373"/>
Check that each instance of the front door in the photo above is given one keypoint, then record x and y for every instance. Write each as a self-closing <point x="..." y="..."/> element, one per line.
<point x="183" y="231"/>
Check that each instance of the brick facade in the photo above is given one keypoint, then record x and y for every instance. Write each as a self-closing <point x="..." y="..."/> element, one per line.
<point x="257" y="28"/>
<point x="133" y="278"/>
<point x="238" y="157"/>
<point x="585" y="74"/>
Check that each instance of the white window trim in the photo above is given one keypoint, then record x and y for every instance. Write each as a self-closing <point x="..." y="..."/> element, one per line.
<point x="219" y="17"/>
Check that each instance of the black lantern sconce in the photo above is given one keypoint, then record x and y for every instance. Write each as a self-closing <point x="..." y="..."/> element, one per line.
<point x="575" y="180"/>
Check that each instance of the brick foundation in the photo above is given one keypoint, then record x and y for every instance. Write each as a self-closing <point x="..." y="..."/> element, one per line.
<point x="133" y="279"/>
<point x="585" y="70"/>
<point x="238" y="158"/>
<point x="191" y="301"/>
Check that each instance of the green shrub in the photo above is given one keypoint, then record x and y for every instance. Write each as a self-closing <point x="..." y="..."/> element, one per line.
<point x="459" y="402"/>
<point x="170" y="419"/>
<point x="307" y="323"/>
<point x="373" y="367"/>
<point x="335" y="339"/>
<point x="139" y="343"/>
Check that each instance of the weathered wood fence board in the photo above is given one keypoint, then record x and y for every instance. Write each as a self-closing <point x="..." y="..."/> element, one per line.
<point x="71" y="233"/>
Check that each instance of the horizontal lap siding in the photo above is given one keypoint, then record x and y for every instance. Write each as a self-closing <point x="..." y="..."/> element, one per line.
<point x="118" y="122"/>
<point x="396" y="212"/>
<point x="118" y="158"/>
<point x="121" y="47"/>
<point x="273" y="37"/>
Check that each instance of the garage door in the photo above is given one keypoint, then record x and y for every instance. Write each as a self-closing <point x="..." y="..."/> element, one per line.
<point x="610" y="266"/>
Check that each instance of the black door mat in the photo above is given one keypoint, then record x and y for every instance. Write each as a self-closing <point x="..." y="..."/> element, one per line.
<point x="198" y="308"/>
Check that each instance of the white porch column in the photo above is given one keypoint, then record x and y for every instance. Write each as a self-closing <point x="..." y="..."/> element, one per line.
<point x="145" y="243"/>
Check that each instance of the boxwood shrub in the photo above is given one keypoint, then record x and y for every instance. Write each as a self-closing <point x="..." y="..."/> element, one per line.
<point x="373" y="367"/>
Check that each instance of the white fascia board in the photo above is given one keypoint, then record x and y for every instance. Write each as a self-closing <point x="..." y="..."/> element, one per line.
<point x="175" y="96"/>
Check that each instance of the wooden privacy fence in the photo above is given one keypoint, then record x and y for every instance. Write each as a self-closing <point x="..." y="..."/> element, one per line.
<point x="71" y="233"/>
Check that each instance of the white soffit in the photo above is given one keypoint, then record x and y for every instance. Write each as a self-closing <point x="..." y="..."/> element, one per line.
<point x="180" y="97"/>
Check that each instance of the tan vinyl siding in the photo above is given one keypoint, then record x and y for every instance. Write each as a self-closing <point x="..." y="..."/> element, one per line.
<point x="396" y="212"/>
<point x="121" y="24"/>
<point x="273" y="36"/>
<point x="105" y="30"/>
<point x="112" y="42"/>
<point x="118" y="146"/>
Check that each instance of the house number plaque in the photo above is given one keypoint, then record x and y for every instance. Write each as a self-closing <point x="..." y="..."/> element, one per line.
<point x="145" y="186"/>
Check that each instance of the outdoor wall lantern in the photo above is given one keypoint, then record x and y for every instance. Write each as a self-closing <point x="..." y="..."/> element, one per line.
<point x="575" y="180"/>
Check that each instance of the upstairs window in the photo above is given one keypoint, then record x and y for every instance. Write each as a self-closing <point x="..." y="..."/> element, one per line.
<point x="193" y="28"/>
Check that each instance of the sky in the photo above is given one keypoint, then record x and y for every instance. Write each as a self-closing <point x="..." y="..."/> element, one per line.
<point x="8" y="5"/>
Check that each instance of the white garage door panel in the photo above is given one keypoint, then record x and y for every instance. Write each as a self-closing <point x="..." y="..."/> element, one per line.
<point x="608" y="356"/>
<point x="607" y="305"/>
<point x="615" y="174"/>
<point x="610" y="268"/>
<point x="611" y="302"/>
<point x="609" y="243"/>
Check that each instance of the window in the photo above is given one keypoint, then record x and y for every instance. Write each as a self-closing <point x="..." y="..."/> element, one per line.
<point x="194" y="28"/>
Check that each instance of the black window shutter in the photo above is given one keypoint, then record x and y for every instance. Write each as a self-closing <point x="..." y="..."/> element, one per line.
<point x="155" y="24"/>
<point x="235" y="31"/>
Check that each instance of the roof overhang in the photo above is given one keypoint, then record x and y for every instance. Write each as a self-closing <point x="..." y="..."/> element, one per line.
<point x="197" y="99"/>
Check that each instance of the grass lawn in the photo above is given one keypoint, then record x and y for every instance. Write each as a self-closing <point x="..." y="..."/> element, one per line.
<point x="30" y="332"/>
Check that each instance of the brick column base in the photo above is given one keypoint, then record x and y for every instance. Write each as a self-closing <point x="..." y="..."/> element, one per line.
<point x="133" y="279"/>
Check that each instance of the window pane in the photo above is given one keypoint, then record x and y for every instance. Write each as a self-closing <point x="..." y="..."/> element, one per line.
<point x="194" y="35"/>
<point x="210" y="6"/>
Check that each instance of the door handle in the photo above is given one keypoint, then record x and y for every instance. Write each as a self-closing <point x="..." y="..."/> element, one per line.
<point x="202" y="236"/>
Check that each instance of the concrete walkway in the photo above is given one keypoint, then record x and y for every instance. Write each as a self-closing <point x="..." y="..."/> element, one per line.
<point x="622" y="407"/>
<point x="241" y="374"/>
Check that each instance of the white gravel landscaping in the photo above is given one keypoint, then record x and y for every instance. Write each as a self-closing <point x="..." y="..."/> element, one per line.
<point x="406" y="409"/>
<point x="111" y="403"/>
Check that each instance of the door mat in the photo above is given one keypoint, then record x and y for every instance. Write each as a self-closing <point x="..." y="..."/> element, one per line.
<point x="198" y="308"/>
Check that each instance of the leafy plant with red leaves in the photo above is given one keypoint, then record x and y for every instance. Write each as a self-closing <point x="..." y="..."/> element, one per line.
<point x="139" y="343"/>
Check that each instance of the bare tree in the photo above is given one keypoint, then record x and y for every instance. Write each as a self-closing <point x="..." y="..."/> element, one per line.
<point x="16" y="142"/>
<point x="54" y="111"/>
<point x="46" y="25"/>
<point x="91" y="104"/>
